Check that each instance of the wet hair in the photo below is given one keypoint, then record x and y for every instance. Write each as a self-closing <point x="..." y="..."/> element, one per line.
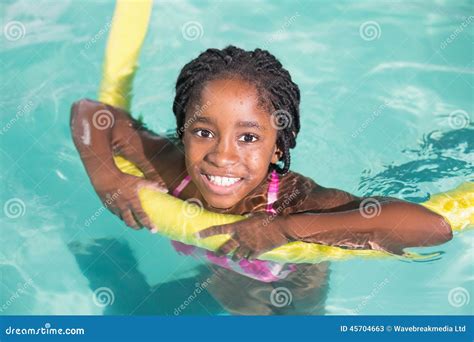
<point x="276" y="90"/>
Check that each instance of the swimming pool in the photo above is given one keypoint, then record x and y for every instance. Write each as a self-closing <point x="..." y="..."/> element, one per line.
<point x="387" y="107"/>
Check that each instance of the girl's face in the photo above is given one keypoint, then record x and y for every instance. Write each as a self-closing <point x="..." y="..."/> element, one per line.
<point x="229" y="142"/>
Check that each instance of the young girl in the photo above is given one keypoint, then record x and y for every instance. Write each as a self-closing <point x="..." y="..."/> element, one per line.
<point x="237" y="115"/>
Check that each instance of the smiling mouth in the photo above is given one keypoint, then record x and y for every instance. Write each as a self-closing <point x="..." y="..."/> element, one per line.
<point x="221" y="185"/>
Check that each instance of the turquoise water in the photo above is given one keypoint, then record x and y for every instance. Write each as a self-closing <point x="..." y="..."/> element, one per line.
<point x="387" y="105"/>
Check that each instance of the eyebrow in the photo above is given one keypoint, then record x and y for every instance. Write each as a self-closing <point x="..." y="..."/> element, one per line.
<point x="249" y="124"/>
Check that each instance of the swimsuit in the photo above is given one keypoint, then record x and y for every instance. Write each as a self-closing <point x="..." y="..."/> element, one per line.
<point x="266" y="271"/>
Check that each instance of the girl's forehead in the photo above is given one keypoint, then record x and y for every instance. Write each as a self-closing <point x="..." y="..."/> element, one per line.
<point x="232" y="97"/>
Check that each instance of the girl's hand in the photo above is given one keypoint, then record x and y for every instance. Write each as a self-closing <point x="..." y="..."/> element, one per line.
<point x="251" y="237"/>
<point x="119" y="193"/>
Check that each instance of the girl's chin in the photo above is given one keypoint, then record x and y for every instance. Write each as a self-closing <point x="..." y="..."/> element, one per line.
<point x="219" y="204"/>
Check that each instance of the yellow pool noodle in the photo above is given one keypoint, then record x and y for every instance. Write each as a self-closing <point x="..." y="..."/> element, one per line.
<point x="180" y="220"/>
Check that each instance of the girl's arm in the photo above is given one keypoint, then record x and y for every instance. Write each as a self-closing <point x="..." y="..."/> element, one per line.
<point x="100" y="131"/>
<point x="379" y="223"/>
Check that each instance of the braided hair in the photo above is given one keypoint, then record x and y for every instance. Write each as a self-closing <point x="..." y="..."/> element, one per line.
<point x="276" y="90"/>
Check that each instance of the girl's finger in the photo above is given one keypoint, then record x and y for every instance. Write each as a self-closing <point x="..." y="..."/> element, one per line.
<point x="154" y="186"/>
<point x="216" y="230"/>
<point x="253" y="255"/>
<point x="142" y="218"/>
<point x="127" y="217"/>
<point x="240" y="253"/>
<point x="227" y="247"/>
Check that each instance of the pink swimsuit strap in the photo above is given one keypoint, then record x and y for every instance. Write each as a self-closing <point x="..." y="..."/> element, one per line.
<point x="272" y="194"/>
<point x="181" y="186"/>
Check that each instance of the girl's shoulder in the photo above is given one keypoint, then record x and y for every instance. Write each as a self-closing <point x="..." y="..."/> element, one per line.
<point x="298" y="193"/>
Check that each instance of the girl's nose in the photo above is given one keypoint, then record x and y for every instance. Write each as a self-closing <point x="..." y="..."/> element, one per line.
<point x="223" y="155"/>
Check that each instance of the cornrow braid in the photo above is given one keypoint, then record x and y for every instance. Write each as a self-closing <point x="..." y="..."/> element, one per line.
<point x="277" y="92"/>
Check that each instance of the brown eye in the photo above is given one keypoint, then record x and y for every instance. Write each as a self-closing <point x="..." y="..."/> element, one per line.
<point x="248" y="138"/>
<point x="203" y="133"/>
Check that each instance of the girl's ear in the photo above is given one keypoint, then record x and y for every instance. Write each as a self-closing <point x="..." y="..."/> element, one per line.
<point x="277" y="154"/>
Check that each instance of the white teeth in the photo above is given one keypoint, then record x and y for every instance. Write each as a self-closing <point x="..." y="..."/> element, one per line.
<point x="222" y="181"/>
